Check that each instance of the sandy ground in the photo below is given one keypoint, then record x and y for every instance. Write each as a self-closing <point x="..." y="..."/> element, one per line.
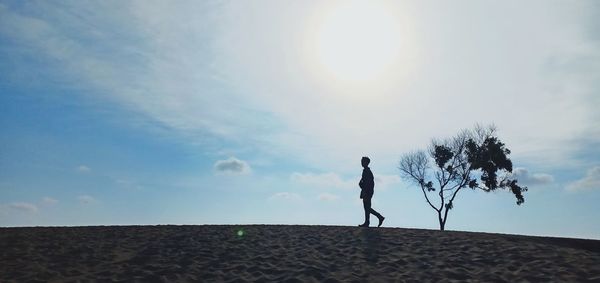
<point x="289" y="254"/>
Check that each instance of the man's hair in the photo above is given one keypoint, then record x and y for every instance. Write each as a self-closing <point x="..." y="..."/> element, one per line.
<point x="366" y="160"/>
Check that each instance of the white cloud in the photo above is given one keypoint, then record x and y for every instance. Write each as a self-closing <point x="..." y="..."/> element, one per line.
<point x="232" y="166"/>
<point x="324" y="180"/>
<point x="83" y="169"/>
<point x="86" y="199"/>
<point x="525" y="178"/>
<point x="23" y="206"/>
<point x="386" y="181"/>
<point x="327" y="197"/>
<point x="286" y="196"/>
<point x="332" y="180"/>
<point x="49" y="201"/>
<point x="591" y="181"/>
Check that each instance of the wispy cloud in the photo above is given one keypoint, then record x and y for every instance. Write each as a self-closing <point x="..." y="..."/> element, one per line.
<point x="49" y="201"/>
<point x="83" y="169"/>
<point x="23" y="207"/>
<point x="591" y="181"/>
<point x="526" y="178"/>
<point x="327" y="197"/>
<point x="287" y="196"/>
<point x="386" y="181"/>
<point x="324" y="180"/>
<point x="332" y="180"/>
<point x="130" y="53"/>
<point x="232" y="166"/>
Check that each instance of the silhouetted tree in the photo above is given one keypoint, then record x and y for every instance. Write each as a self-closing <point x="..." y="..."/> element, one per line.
<point x="476" y="159"/>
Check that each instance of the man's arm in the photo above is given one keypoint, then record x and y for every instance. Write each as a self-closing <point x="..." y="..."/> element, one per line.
<point x="368" y="178"/>
<point x="362" y="182"/>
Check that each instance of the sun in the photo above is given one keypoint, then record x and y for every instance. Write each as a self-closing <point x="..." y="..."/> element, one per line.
<point x="357" y="40"/>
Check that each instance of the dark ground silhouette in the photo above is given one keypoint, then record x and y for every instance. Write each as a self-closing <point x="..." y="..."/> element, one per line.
<point x="288" y="253"/>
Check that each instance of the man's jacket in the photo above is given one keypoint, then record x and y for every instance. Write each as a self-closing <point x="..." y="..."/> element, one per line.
<point x="367" y="183"/>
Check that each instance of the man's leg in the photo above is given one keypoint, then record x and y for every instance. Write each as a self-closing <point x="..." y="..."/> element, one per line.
<point x="367" y="207"/>
<point x="379" y="216"/>
<point x="371" y="210"/>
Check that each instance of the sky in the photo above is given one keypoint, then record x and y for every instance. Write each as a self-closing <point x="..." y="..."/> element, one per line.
<point x="258" y="112"/>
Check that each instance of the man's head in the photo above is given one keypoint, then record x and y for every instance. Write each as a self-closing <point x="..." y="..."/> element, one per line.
<point x="365" y="161"/>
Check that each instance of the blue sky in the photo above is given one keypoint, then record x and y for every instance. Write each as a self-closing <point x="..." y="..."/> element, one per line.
<point x="154" y="112"/>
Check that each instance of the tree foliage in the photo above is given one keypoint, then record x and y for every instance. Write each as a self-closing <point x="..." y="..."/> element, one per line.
<point x="476" y="159"/>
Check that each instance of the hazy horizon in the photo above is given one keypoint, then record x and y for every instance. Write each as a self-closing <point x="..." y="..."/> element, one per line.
<point x="225" y="112"/>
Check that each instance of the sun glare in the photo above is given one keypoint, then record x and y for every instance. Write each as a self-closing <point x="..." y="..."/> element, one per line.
<point x="357" y="40"/>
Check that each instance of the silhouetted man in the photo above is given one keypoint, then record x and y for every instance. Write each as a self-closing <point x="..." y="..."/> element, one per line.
<point x="367" y="185"/>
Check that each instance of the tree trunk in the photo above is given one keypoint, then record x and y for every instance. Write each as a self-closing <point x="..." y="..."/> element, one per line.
<point x="442" y="222"/>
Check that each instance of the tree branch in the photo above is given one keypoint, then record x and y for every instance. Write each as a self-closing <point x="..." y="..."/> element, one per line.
<point x="427" y="199"/>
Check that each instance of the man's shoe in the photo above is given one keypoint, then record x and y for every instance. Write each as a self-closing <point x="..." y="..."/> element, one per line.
<point x="364" y="225"/>
<point x="381" y="221"/>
